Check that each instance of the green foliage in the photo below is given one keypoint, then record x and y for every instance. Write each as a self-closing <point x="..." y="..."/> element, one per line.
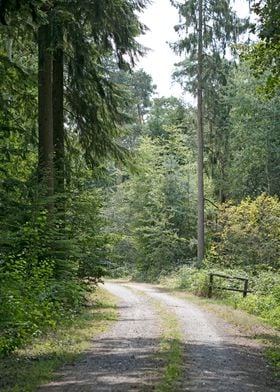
<point x="87" y="231"/>
<point x="154" y="209"/>
<point x="264" y="60"/>
<point x="32" y="297"/>
<point x="264" y="56"/>
<point x="99" y="35"/>
<point x="254" y="142"/>
<point x="264" y="301"/>
<point x="248" y="234"/>
<point x="169" y="113"/>
<point x="25" y="307"/>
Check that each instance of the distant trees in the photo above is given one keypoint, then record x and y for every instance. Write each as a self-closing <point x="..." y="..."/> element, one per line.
<point x="139" y="89"/>
<point x="152" y="213"/>
<point x="253" y="137"/>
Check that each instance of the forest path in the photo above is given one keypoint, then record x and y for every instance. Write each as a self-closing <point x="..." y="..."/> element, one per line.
<point x="216" y="356"/>
<point x="121" y="359"/>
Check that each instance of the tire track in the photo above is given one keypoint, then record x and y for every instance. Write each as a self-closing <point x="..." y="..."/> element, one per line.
<point x="216" y="356"/>
<point x="123" y="358"/>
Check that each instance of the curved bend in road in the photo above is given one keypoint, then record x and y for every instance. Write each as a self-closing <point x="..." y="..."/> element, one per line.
<point x="216" y="357"/>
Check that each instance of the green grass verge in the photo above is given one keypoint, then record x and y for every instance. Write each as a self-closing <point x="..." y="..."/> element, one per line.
<point x="26" y="369"/>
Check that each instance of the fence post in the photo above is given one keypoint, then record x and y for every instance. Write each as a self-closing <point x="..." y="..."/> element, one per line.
<point x="245" y="288"/>
<point x="211" y="278"/>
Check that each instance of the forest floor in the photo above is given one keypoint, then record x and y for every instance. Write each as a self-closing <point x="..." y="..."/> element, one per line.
<point x="165" y="343"/>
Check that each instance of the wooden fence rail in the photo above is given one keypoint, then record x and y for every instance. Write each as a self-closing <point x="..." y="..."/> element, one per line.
<point x="245" y="289"/>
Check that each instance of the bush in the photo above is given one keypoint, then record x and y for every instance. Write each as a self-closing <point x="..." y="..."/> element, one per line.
<point x="265" y="300"/>
<point x="248" y="235"/>
<point x="24" y="306"/>
<point x="44" y="260"/>
<point x="34" y="301"/>
<point x="189" y="278"/>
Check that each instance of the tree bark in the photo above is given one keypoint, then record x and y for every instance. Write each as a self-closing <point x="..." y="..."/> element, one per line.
<point x="58" y="120"/>
<point x="200" y="141"/>
<point x="45" y="115"/>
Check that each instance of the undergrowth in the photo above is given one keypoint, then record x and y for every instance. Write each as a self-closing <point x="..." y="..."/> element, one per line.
<point x="25" y="369"/>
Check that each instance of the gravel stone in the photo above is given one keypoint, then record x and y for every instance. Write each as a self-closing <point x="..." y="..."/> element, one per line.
<point x="217" y="357"/>
<point x="123" y="358"/>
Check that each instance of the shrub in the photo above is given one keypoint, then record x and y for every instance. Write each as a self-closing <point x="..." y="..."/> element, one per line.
<point x="248" y="235"/>
<point x="189" y="278"/>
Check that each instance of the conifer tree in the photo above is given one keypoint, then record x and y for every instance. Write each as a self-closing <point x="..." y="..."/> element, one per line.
<point x="206" y="30"/>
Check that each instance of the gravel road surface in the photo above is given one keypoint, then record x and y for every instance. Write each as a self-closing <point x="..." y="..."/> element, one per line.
<point x="122" y="359"/>
<point x="216" y="356"/>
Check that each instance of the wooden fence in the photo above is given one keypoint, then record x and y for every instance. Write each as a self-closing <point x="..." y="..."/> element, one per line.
<point x="245" y="289"/>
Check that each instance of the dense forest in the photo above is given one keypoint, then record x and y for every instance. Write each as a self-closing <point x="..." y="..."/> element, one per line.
<point x="102" y="177"/>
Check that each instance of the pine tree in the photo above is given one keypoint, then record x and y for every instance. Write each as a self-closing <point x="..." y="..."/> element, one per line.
<point x="206" y="29"/>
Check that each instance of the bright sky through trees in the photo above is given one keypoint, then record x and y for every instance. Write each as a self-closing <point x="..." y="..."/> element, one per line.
<point x="160" y="17"/>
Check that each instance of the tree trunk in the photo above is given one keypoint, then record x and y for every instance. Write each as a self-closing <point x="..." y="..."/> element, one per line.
<point x="58" y="121"/>
<point x="45" y="116"/>
<point x="200" y="142"/>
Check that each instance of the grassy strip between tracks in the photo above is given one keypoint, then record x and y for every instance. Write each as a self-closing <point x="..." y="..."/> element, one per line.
<point x="24" y="370"/>
<point x="170" y="352"/>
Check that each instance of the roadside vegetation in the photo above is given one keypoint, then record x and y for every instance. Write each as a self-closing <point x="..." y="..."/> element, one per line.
<point x="34" y="365"/>
<point x="245" y="244"/>
<point x="262" y="301"/>
<point x="230" y="307"/>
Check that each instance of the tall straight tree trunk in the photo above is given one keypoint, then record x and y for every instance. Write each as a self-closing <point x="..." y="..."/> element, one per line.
<point x="45" y="116"/>
<point x="58" y="118"/>
<point x="200" y="141"/>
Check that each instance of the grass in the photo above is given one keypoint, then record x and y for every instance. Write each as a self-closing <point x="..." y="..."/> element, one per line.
<point x="171" y="350"/>
<point x="35" y="365"/>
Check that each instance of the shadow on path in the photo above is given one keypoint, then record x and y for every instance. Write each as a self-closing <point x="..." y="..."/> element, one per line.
<point x="112" y="365"/>
<point x="127" y="365"/>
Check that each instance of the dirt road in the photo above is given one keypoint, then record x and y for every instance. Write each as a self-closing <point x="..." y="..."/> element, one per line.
<point x="216" y="356"/>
